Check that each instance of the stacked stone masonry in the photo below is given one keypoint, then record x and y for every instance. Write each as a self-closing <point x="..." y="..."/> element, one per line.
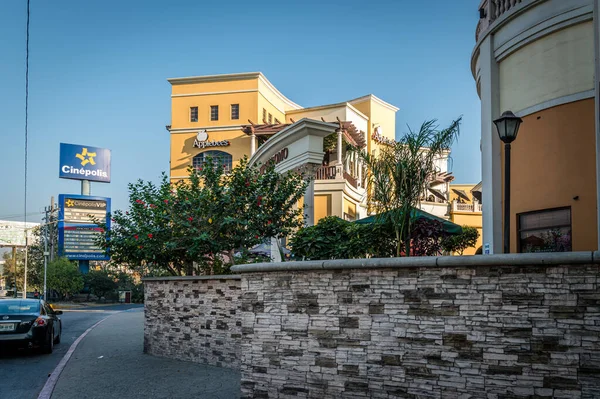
<point x="195" y="319"/>
<point x="419" y="332"/>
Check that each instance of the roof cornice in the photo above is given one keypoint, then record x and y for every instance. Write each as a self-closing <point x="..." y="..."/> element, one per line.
<point x="214" y="78"/>
<point x="375" y="99"/>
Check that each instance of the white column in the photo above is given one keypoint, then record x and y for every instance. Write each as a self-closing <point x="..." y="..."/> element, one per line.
<point x="490" y="148"/>
<point x="252" y="144"/>
<point x="597" y="85"/>
<point x="309" y="204"/>
<point x="339" y="146"/>
<point x="359" y="173"/>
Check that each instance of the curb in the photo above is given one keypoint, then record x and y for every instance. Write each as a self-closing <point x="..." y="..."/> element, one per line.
<point x="48" y="388"/>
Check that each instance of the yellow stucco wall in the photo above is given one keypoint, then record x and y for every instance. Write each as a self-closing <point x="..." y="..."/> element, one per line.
<point x="215" y="86"/>
<point x="253" y="95"/>
<point x="471" y="219"/>
<point x="554" y="66"/>
<point x="180" y="110"/>
<point x="553" y="164"/>
<point x="264" y="103"/>
<point x="183" y="151"/>
<point x="322" y="207"/>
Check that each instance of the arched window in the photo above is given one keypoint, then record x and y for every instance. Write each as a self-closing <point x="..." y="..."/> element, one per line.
<point x="217" y="157"/>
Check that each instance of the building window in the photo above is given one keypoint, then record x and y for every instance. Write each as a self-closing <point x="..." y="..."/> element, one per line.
<point x="214" y="112"/>
<point x="264" y="119"/>
<point x="547" y="230"/>
<point x="270" y="119"/>
<point x="193" y="114"/>
<point x="235" y="111"/>
<point x="216" y="157"/>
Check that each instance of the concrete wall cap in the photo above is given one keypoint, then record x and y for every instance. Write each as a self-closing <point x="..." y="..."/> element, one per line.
<point x="191" y="278"/>
<point x="533" y="259"/>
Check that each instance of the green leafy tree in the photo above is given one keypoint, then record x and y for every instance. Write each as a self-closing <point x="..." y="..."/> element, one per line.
<point x="399" y="175"/>
<point x="35" y="265"/>
<point x="335" y="238"/>
<point x="458" y="243"/>
<point x="195" y="225"/>
<point x="64" y="277"/>
<point x="100" y="283"/>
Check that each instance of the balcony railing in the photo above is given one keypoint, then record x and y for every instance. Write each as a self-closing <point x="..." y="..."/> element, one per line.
<point x="325" y="173"/>
<point x="335" y="172"/>
<point x="491" y="10"/>
<point x="461" y="207"/>
<point x="351" y="179"/>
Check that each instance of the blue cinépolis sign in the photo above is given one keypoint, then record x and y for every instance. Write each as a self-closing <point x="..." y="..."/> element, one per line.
<point x="82" y="162"/>
<point x="77" y="230"/>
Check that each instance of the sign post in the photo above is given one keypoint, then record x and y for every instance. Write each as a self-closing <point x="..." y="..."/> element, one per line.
<point x="87" y="164"/>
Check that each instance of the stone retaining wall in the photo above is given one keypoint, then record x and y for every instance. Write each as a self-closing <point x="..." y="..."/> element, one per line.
<point x="193" y="318"/>
<point x="426" y="331"/>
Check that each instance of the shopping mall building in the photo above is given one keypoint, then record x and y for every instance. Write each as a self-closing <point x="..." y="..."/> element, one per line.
<point x="540" y="59"/>
<point x="227" y="117"/>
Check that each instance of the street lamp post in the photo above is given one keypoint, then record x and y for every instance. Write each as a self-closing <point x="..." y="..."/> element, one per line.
<point x="508" y="127"/>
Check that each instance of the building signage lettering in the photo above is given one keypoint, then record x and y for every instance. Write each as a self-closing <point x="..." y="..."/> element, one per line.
<point x="201" y="141"/>
<point x="378" y="138"/>
<point x="77" y="228"/>
<point x="275" y="159"/>
<point x="84" y="163"/>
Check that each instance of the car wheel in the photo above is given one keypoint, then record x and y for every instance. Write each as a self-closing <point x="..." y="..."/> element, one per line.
<point x="57" y="339"/>
<point x="49" y="345"/>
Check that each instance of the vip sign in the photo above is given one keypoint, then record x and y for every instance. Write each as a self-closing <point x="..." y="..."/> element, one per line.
<point x="201" y="141"/>
<point x="83" y="162"/>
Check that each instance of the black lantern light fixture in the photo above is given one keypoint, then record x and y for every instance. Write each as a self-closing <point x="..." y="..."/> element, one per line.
<point x="508" y="128"/>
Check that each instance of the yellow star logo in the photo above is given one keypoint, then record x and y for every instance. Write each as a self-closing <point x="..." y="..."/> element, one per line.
<point x="69" y="203"/>
<point x="86" y="157"/>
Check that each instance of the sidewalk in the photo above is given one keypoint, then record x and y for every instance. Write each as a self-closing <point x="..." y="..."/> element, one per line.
<point x="110" y="363"/>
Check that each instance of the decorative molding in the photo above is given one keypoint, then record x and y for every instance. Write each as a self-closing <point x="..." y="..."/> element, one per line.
<point x="270" y="85"/>
<point x="376" y="100"/>
<point x="215" y="78"/>
<point x="545" y="28"/>
<point x="210" y="93"/>
<point x="328" y="106"/>
<point x="555" y="102"/>
<point x="208" y="128"/>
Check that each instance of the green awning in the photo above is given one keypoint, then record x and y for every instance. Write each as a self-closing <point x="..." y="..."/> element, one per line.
<point x="449" y="227"/>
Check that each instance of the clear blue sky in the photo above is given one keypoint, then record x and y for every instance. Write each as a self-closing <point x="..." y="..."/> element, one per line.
<point x="98" y="73"/>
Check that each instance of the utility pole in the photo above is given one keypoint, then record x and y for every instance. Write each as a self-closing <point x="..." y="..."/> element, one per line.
<point x="46" y="226"/>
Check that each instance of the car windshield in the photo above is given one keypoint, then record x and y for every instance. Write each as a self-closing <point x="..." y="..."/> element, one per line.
<point x="15" y="307"/>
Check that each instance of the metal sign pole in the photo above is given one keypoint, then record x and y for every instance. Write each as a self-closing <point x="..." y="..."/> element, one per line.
<point x="25" y="281"/>
<point x="14" y="256"/>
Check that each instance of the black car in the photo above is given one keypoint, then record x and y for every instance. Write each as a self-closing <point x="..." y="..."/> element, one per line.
<point x="29" y="323"/>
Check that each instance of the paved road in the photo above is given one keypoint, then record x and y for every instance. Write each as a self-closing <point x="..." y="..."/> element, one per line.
<point x="110" y="363"/>
<point x="24" y="373"/>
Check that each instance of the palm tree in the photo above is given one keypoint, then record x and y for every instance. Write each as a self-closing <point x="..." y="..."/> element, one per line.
<point x="400" y="174"/>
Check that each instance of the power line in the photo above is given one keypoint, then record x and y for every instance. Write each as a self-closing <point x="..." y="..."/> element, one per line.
<point x="26" y="105"/>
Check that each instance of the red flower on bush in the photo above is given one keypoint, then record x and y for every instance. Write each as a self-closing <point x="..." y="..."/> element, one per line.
<point x="166" y="201"/>
<point x="136" y="236"/>
<point x="258" y="200"/>
<point x="190" y="218"/>
<point x="268" y="222"/>
<point x="149" y="235"/>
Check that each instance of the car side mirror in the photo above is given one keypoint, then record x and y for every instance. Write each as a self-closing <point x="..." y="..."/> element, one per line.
<point x="58" y="312"/>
